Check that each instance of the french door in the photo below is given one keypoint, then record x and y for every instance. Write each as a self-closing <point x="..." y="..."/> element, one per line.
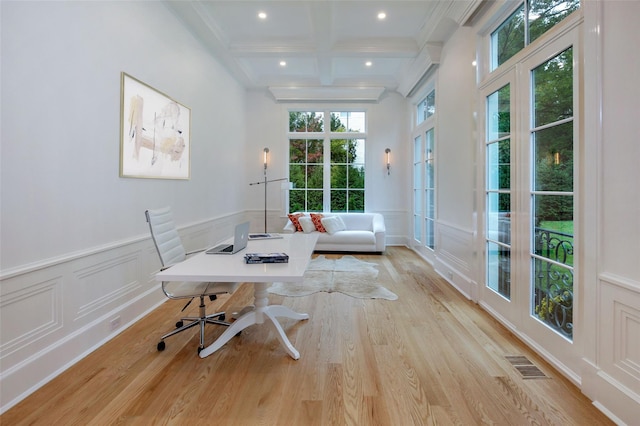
<point x="529" y="197"/>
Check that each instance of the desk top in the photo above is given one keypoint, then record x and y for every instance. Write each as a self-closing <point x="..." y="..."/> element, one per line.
<point x="232" y="268"/>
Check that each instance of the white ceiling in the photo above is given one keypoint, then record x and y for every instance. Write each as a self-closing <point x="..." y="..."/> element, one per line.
<point x="326" y="43"/>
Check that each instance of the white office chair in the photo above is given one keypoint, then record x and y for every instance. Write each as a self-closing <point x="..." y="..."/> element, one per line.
<point x="169" y="246"/>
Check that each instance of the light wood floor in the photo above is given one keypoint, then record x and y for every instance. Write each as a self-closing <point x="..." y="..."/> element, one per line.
<point x="431" y="357"/>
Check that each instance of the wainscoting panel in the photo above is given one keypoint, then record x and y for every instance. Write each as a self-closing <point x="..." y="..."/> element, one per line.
<point x="28" y="313"/>
<point x="454" y="257"/>
<point x="55" y="313"/>
<point x="106" y="283"/>
<point x="620" y="330"/>
<point x="612" y="380"/>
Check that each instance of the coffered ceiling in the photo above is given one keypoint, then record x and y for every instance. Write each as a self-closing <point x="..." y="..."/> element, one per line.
<point x="326" y="50"/>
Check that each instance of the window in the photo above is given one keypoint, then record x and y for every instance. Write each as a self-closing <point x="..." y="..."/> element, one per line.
<point x="424" y="186"/>
<point x="531" y="20"/>
<point x="327" y="167"/>
<point x="427" y="107"/>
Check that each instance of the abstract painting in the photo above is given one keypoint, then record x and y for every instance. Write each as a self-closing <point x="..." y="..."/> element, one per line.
<point x="154" y="133"/>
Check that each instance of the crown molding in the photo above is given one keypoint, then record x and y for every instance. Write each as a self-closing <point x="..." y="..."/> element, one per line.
<point x="327" y="94"/>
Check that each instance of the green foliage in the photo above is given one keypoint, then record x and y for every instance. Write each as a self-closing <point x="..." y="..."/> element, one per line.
<point x="511" y="36"/>
<point x="548" y="306"/>
<point x="306" y="122"/>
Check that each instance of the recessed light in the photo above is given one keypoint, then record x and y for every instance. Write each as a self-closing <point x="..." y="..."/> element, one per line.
<point x="368" y="63"/>
<point x="283" y="63"/>
<point x="381" y="15"/>
<point x="262" y="15"/>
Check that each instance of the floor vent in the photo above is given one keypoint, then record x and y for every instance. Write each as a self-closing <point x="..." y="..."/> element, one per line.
<point x="525" y="367"/>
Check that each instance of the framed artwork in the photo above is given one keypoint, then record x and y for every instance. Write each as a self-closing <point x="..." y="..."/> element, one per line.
<point x="154" y="133"/>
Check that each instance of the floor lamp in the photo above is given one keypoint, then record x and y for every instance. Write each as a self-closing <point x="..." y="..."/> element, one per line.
<point x="265" y="153"/>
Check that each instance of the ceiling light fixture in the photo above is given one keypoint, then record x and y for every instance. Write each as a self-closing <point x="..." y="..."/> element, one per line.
<point x="368" y="63"/>
<point x="283" y="63"/>
<point x="262" y="15"/>
<point x="381" y="15"/>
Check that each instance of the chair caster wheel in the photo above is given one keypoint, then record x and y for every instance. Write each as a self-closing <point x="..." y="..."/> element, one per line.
<point x="200" y="350"/>
<point x="161" y="346"/>
<point x="238" y="333"/>
<point x="222" y="317"/>
<point x="179" y="324"/>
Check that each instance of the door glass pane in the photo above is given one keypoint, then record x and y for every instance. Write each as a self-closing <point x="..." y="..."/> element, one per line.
<point x="499" y="165"/>
<point x="553" y="156"/>
<point x="553" y="89"/>
<point x="552" y="199"/>
<point x="430" y="206"/>
<point x="553" y="227"/>
<point x="499" y="269"/>
<point x="417" y="222"/>
<point x="430" y="234"/>
<point x="429" y="159"/>
<point x="499" y="113"/>
<point x="498" y="196"/>
<point x="553" y="295"/>
<point x="499" y="217"/>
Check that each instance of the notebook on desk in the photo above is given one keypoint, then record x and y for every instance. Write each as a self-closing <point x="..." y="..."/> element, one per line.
<point x="240" y="238"/>
<point x="264" y="236"/>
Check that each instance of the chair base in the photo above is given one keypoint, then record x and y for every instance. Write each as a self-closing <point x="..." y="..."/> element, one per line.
<point x="218" y="318"/>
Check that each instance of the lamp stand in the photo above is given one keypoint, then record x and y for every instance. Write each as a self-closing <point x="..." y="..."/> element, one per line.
<point x="265" y="182"/>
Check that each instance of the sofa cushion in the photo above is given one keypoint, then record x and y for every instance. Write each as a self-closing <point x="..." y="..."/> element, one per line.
<point x="347" y="237"/>
<point x="317" y="221"/>
<point x="333" y="224"/>
<point x="294" y="218"/>
<point x="307" y="224"/>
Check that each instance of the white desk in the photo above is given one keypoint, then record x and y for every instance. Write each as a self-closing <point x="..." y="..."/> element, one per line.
<point x="232" y="268"/>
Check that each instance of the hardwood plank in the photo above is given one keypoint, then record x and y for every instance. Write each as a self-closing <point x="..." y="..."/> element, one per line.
<point x="430" y="357"/>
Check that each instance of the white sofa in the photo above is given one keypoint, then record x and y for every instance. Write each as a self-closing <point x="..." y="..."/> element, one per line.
<point x="365" y="232"/>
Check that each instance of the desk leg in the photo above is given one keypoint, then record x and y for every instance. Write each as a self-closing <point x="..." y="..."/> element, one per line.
<point x="261" y="312"/>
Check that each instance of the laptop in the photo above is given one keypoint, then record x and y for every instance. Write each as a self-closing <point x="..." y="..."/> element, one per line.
<point x="240" y="238"/>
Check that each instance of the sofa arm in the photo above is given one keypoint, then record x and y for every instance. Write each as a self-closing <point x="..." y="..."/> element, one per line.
<point x="379" y="231"/>
<point x="289" y="228"/>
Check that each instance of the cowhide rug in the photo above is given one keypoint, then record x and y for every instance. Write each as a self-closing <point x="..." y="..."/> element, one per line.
<point x="347" y="275"/>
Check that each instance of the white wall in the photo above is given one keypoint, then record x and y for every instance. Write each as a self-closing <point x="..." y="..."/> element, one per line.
<point x="611" y="362"/>
<point x="387" y="128"/>
<point x="61" y="64"/>
<point x="455" y="161"/>
<point x="76" y="261"/>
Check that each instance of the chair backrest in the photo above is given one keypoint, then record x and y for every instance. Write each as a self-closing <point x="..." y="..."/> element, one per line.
<point x="165" y="236"/>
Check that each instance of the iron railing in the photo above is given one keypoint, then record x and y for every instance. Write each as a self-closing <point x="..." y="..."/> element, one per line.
<point x="553" y="283"/>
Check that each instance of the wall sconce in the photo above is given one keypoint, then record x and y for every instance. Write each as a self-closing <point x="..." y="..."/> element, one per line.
<point x="265" y="153"/>
<point x="388" y="158"/>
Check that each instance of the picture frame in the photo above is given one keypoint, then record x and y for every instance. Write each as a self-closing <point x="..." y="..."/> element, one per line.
<point x="155" y="133"/>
